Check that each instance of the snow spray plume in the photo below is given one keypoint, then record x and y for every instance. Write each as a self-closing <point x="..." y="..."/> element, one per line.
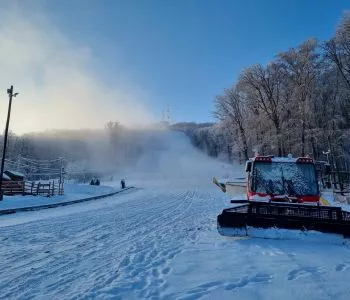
<point x="169" y="157"/>
<point x="54" y="76"/>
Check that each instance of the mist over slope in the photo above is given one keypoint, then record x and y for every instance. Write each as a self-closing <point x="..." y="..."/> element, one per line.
<point x="119" y="152"/>
<point x="169" y="156"/>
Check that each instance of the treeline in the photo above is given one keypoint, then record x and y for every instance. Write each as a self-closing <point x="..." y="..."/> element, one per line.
<point x="299" y="103"/>
<point x="103" y="151"/>
<point x="211" y="138"/>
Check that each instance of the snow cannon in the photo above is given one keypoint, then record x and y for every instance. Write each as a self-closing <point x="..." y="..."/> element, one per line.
<point x="282" y="193"/>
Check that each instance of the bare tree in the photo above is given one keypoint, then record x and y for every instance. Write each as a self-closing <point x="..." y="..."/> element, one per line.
<point x="300" y="102"/>
<point x="231" y="108"/>
<point x="337" y="49"/>
<point x="301" y="66"/>
<point x="263" y="88"/>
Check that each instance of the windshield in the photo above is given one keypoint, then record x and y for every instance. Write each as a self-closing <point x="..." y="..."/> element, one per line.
<point x="284" y="178"/>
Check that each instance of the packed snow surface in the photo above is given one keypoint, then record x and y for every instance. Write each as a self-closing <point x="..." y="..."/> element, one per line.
<point x="160" y="242"/>
<point x="71" y="192"/>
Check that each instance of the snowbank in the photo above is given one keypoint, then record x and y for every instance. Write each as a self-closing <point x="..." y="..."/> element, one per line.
<point x="72" y="192"/>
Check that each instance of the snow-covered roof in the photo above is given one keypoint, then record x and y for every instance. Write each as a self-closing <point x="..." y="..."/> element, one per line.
<point x="4" y="176"/>
<point x="18" y="174"/>
<point x="284" y="159"/>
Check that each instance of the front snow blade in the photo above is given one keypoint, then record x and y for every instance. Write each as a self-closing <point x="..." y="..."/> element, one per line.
<point x="325" y="219"/>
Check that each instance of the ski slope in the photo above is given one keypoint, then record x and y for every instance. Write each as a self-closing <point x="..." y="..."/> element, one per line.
<point x="160" y="242"/>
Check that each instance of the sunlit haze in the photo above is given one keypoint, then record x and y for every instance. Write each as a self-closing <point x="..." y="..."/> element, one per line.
<point x="79" y="64"/>
<point x="57" y="88"/>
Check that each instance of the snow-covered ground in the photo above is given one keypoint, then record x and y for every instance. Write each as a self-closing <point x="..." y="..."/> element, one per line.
<point x="160" y="242"/>
<point x="72" y="192"/>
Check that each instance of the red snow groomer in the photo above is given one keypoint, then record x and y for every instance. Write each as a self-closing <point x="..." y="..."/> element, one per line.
<point x="281" y="179"/>
<point x="282" y="193"/>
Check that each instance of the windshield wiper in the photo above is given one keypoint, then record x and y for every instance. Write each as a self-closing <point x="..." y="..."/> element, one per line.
<point x="269" y="187"/>
<point x="290" y="188"/>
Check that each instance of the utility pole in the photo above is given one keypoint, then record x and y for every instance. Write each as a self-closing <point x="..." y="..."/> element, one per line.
<point x="11" y="95"/>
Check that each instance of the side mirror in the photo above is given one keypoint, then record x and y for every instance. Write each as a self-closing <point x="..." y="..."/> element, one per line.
<point x="248" y="166"/>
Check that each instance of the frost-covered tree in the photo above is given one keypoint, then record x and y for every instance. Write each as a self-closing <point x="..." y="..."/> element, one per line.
<point x="231" y="109"/>
<point x="301" y="68"/>
<point x="263" y="88"/>
<point x="337" y="49"/>
<point x="298" y="103"/>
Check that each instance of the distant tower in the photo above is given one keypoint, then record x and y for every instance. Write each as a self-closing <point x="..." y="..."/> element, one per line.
<point x="166" y="116"/>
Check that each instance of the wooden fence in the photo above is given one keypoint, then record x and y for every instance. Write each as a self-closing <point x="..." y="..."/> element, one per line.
<point x="49" y="188"/>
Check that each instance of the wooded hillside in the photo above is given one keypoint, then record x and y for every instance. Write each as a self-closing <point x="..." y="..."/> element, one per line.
<point x="299" y="103"/>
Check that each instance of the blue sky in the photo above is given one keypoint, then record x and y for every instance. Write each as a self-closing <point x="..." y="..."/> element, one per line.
<point x="183" y="53"/>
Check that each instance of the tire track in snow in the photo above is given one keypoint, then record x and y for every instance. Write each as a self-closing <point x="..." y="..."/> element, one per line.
<point x="100" y="252"/>
<point x="92" y="228"/>
<point x="145" y="264"/>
